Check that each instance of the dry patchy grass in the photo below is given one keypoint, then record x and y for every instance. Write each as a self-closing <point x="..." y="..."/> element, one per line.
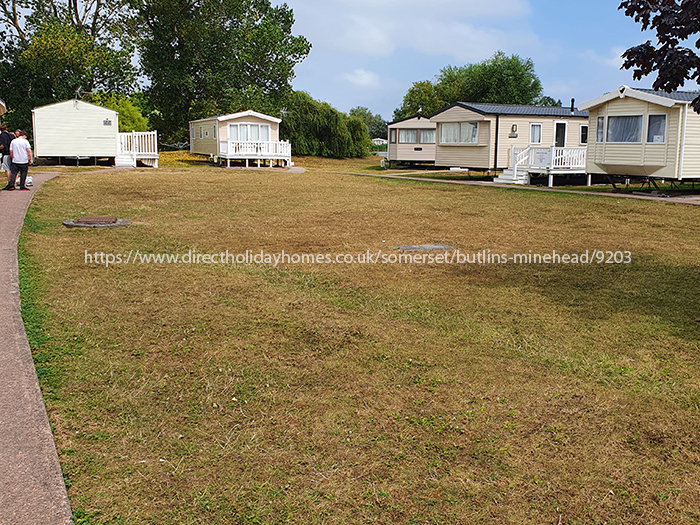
<point x="414" y="393"/>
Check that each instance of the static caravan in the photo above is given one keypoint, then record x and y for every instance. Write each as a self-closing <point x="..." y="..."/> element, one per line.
<point x="644" y="133"/>
<point x="518" y="140"/>
<point x="245" y="136"/>
<point x="411" y="141"/>
<point x="78" y="130"/>
<point x="75" y="129"/>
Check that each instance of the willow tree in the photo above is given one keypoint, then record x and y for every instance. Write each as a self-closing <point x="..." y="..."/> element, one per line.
<point x="204" y="57"/>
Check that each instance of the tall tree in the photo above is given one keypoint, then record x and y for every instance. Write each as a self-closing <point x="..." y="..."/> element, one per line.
<point x="53" y="48"/>
<point x="216" y="56"/>
<point x="675" y="24"/>
<point x="501" y="79"/>
<point x="376" y="125"/>
<point x="422" y="98"/>
<point x="103" y="20"/>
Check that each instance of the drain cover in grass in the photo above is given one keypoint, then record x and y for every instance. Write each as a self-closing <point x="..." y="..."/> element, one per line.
<point x="95" y="222"/>
<point x="423" y="247"/>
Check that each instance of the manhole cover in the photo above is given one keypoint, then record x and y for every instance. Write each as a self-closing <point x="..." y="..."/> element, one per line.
<point x="423" y="247"/>
<point x="95" y="222"/>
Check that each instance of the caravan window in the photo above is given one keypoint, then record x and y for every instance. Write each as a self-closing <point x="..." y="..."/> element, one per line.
<point x="245" y="132"/>
<point x="427" y="136"/>
<point x="625" y="129"/>
<point x="656" y="131"/>
<point x="535" y="133"/>
<point x="459" y="133"/>
<point x="600" y="130"/>
<point x="583" y="134"/>
<point x="408" y="136"/>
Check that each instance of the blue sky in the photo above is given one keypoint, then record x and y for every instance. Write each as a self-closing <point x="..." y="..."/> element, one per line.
<point x="368" y="52"/>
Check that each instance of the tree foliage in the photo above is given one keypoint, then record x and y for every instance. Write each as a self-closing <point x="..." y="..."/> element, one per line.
<point x="105" y="21"/>
<point x="500" y="79"/>
<point x="55" y="47"/>
<point x="130" y="117"/>
<point x="675" y="23"/>
<point x="206" y="57"/>
<point x="67" y="59"/>
<point x="376" y="125"/>
<point x="316" y="128"/>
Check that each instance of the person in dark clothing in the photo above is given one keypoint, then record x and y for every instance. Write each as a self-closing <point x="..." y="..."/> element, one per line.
<point x="5" y="139"/>
<point x="22" y="157"/>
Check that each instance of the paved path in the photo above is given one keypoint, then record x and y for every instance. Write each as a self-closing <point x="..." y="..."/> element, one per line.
<point x="692" y="200"/>
<point x="32" y="491"/>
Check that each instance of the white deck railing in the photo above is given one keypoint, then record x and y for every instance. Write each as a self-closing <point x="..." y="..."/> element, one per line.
<point x="231" y="149"/>
<point x="141" y="145"/>
<point x="549" y="158"/>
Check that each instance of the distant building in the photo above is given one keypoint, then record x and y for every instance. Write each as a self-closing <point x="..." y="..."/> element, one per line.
<point x="411" y="141"/>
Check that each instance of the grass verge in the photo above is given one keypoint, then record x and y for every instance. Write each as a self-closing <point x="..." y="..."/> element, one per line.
<point x="358" y="393"/>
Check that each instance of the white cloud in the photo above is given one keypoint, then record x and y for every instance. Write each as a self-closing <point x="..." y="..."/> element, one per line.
<point x="612" y="59"/>
<point x="465" y="30"/>
<point x="362" y="79"/>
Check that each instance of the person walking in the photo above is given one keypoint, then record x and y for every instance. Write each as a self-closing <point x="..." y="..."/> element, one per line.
<point x="5" y="138"/>
<point x="21" y="153"/>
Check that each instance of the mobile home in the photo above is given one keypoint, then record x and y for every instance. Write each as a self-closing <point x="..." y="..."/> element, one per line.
<point x="411" y="141"/>
<point x="246" y="136"/>
<point x="644" y="133"/>
<point x="78" y="130"/>
<point x="509" y="138"/>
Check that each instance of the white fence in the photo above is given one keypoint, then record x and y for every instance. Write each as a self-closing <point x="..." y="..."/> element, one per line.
<point x="549" y="158"/>
<point x="229" y="149"/>
<point x="137" y="145"/>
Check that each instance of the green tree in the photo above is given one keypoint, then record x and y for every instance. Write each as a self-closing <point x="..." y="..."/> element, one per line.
<point x="361" y="141"/>
<point x="376" y="125"/>
<point x="422" y="98"/>
<point x="67" y="59"/>
<point x="501" y="79"/>
<point x="316" y="128"/>
<point x="54" y="47"/>
<point x="106" y="21"/>
<point x="130" y="117"/>
<point x="205" y="57"/>
<point x="548" y="102"/>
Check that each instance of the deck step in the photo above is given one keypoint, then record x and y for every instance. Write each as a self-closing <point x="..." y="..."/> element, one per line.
<point x="507" y="177"/>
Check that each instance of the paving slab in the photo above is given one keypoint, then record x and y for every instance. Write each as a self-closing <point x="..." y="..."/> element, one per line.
<point x="32" y="490"/>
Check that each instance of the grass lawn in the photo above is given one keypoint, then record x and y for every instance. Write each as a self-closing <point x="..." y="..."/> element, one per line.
<point x="364" y="393"/>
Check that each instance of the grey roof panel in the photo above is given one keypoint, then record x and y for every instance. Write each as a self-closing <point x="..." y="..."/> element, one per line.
<point x="681" y="96"/>
<point x="509" y="109"/>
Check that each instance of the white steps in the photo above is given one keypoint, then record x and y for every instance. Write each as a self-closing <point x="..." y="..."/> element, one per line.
<point x="507" y="177"/>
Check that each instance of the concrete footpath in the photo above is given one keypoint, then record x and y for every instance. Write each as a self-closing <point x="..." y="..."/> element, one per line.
<point x="32" y="491"/>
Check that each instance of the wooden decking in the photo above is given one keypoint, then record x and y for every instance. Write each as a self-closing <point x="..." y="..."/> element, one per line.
<point x="550" y="160"/>
<point x="270" y="151"/>
<point x="135" y="146"/>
